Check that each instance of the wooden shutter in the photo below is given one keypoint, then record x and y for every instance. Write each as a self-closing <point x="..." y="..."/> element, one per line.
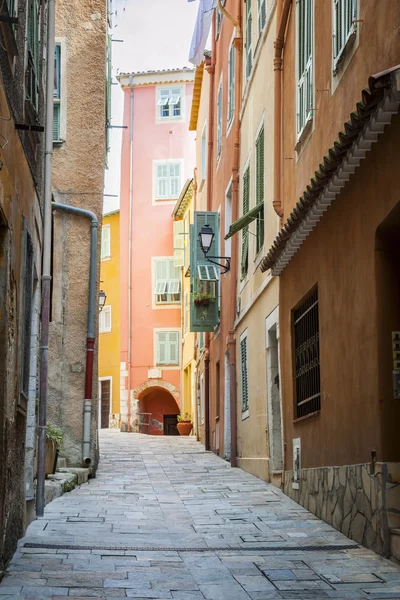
<point x="219" y="121"/>
<point x="173" y="347"/>
<point x="304" y="61"/>
<point x="105" y="241"/>
<point x="160" y="287"/>
<point x="245" y="387"/>
<point x="162" y="351"/>
<point x="174" y="180"/>
<point x="162" y="182"/>
<point x="260" y="183"/>
<point x="245" y="230"/>
<point x="249" y="33"/>
<point x="262" y="15"/>
<point x="231" y="83"/>
<point x="179" y="243"/>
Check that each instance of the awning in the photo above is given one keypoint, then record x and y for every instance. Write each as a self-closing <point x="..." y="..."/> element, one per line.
<point x="245" y="220"/>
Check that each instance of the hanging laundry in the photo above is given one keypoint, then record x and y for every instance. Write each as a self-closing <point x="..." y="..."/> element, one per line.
<point x="201" y="30"/>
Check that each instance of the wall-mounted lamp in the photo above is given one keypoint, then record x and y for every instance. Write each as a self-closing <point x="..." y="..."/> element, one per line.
<point x="102" y="300"/>
<point x="206" y="237"/>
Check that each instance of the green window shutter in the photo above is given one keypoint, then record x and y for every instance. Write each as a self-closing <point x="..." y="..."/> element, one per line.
<point x="262" y="15"/>
<point x="173" y="347"/>
<point x="231" y="83"/>
<point x="162" y="351"/>
<point x="304" y="17"/>
<point x="245" y="387"/>
<point x="203" y="317"/>
<point x="201" y="342"/>
<point x="56" y="122"/>
<point x="260" y="184"/>
<point x="245" y="230"/>
<point x="249" y="32"/>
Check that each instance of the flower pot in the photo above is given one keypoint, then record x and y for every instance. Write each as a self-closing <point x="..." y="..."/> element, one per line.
<point x="185" y="427"/>
<point x="51" y="451"/>
<point x="203" y="302"/>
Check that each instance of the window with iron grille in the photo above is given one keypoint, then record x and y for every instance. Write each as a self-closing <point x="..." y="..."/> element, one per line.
<point x="307" y="362"/>
<point x="27" y="290"/>
<point x="305" y="24"/>
<point x="32" y="69"/>
<point x="260" y="171"/>
<point x="249" y="44"/>
<point x="344" y="27"/>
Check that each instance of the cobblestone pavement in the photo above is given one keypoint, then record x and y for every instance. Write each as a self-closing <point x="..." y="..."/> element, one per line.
<point x="166" y="520"/>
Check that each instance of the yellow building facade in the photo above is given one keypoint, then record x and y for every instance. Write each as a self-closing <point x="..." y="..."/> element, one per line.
<point x="109" y="326"/>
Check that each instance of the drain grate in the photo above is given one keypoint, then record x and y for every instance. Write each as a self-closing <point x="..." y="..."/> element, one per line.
<point x="328" y="548"/>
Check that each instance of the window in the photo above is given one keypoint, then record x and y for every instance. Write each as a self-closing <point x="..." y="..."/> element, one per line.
<point x="304" y="64"/>
<point x="262" y="14"/>
<point x="105" y="242"/>
<point x="27" y="278"/>
<point x="204" y="154"/>
<point x="170" y="103"/>
<point x="186" y="313"/>
<point x="245" y="230"/>
<point x="260" y="171"/>
<point x="167" y="343"/>
<point x="249" y="45"/>
<point x="306" y="346"/>
<point x="219" y="120"/>
<point x="344" y="27"/>
<point x="57" y="94"/>
<point x="32" y="69"/>
<point x="244" y="371"/>
<point x="231" y="84"/>
<point x="207" y="273"/>
<point x="105" y="320"/>
<point x="201" y="341"/>
<point x="168" y="180"/>
<point x="167" y="281"/>
<point x="202" y="398"/>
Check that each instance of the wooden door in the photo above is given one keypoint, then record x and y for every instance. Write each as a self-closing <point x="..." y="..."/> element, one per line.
<point x="105" y="395"/>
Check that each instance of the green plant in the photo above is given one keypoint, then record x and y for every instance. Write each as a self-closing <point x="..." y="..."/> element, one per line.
<point x="184" y="417"/>
<point x="55" y="435"/>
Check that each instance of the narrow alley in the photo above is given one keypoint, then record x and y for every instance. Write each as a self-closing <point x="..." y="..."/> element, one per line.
<point x="166" y="520"/>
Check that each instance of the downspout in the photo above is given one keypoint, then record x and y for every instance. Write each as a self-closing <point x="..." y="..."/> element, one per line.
<point x="283" y="9"/>
<point x="46" y="268"/>
<point x="130" y="252"/>
<point x="91" y="338"/>
<point x="210" y="68"/>
<point x="234" y="258"/>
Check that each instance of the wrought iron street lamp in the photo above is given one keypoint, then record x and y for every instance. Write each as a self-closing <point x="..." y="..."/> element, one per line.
<point x="206" y="237"/>
<point x="102" y="300"/>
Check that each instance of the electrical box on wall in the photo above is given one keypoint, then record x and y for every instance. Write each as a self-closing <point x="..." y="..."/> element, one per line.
<point x="296" y="463"/>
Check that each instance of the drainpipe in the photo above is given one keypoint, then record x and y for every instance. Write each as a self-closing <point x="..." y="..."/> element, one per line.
<point x="130" y="250"/>
<point x="210" y="68"/>
<point x="283" y="9"/>
<point x="234" y="258"/>
<point x="93" y="303"/>
<point x="46" y="268"/>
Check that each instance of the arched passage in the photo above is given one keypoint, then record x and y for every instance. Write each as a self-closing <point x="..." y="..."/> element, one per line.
<point x="160" y="400"/>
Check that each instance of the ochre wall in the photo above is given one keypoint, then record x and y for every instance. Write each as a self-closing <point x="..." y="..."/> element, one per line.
<point x="109" y="343"/>
<point x="358" y="414"/>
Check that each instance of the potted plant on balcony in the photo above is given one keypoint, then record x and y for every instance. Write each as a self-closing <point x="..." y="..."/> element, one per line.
<point x="185" y="424"/>
<point x="54" y="443"/>
<point x="203" y="294"/>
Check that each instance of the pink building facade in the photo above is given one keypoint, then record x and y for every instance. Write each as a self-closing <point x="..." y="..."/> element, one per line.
<point x="158" y="156"/>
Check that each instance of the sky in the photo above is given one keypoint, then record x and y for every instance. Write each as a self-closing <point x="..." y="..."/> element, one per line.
<point x="156" y="34"/>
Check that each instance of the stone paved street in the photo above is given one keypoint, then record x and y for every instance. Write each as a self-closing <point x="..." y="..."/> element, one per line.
<point x="166" y="520"/>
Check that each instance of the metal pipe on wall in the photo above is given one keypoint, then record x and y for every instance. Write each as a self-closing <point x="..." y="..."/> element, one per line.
<point x="46" y="268"/>
<point x="91" y="338"/>
<point x="131" y="107"/>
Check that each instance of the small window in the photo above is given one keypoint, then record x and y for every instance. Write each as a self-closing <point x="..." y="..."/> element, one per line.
<point x="231" y="84"/>
<point x="167" y="284"/>
<point x="105" y="242"/>
<point x="306" y="348"/>
<point x="33" y="59"/>
<point x="344" y="27"/>
<point x="204" y="154"/>
<point x="304" y="63"/>
<point x="170" y="103"/>
<point x="201" y="341"/>
<point x="262" y="15"/>
<point x="57" y="94"/>
<point x="260" y="176"/>
<point x="245" y="230"/>
<point x="167" y="343"/>
<point x="244" y="373"/>
<point x="168" y="181"/>
<point x="105" y="320"/>
<point x="207" y="273"/>
<point x="219" y="120"/>
<point x="249" y="44"/>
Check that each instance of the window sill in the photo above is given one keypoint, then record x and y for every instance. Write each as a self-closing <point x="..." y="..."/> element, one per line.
<point x="313" y="414"/>
<point x="304" y="137"/>
<point x="58" y="142"/>
<point x="339" y="63"/>
<point x="105" y="259"/>
<point x="245" y="414"/>
<point x="107" y="331"/>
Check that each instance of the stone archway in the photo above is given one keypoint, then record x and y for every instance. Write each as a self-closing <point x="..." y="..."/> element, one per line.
<point x="146" y="388"/>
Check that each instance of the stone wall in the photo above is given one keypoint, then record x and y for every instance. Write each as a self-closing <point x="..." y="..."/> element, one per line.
<point x="362" y="501"/>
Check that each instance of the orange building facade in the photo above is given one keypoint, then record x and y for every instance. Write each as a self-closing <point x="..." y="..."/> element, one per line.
<point x="157" y="158"/>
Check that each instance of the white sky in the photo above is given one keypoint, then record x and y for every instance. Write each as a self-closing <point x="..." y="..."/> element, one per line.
<point x="156" y="34"/>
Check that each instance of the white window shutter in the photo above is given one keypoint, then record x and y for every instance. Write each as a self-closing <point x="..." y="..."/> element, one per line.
<point x="173" y="346"/>
<point x="175" y="179"/>
<point x="179" y="243"/>
<point x="162" y="354"/>
<point x="105" y="241"/>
